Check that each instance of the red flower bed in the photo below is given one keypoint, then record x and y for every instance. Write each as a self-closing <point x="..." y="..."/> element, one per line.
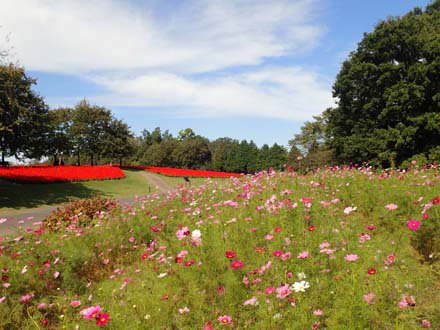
<point x="170" y="171"/>
<point x="60" y="173"/>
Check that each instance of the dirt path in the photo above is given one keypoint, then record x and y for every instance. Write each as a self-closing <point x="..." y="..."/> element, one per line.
<point x="28" y="217"/>
<point x="157" y="182"/>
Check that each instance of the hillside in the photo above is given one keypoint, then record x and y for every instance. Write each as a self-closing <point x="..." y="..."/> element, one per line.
<point x="338" y="249"/>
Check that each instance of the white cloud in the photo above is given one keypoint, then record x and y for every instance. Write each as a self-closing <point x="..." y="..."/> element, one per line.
<point x="287" y="93"/>
<point x="196" y="36"/>
<point x="148" y="55"/>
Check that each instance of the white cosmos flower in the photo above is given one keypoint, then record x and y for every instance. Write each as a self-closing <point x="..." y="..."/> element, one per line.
<point x="300" y="286"/>
<point x="196" y="233"/>
<point x="161" y="275"/>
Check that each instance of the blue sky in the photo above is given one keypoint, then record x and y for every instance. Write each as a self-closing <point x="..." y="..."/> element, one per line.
<point x="246" y="69"/>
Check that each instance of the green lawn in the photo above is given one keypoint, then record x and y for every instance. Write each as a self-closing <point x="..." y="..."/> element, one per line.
<point x="16" y="196"/>
<point x="178" y="181"/>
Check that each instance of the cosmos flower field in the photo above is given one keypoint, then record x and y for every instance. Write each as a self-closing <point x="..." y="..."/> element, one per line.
<point x="340" y="248"/>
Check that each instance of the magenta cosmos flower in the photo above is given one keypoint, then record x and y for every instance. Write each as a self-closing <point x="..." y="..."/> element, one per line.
<point x="225" y="319"/>
<point x="91" y="312"/>
<point x="102" y="319"/>
<point x="230" y="254"/>
<point x="413" y="224"/>
<point x="237" y="264"/>
<point x="277" y="253"/>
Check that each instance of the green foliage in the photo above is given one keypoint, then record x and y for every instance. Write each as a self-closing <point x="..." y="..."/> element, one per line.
<point x="80" y="213"/>
<point x="389" y="93"/>
<point x="23" y="114"/>
<point x="89" y="128"/>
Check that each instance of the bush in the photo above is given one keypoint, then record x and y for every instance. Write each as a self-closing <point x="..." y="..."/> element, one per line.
<point x="80" y="213"/>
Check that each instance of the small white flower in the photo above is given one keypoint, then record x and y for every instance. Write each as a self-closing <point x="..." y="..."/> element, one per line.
<point x="162" y="275"/>
<point x="196" y="233"/>
<point x="300" y="286"/>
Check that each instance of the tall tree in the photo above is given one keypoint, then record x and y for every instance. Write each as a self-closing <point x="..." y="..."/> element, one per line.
<point x="58" y="140"/>
<point x="389" y="92"/>
<point x="192" y="152"/>
<point x="90" y="125"/>
<point x="23" y="115"/>
<point x="118" y="141"/>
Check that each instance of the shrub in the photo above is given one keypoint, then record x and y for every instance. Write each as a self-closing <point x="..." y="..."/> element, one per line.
<point x="80" y="213"/>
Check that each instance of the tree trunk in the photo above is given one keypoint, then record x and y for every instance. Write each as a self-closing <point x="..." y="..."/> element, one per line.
<point x="120" y="161"/>
<point x="3" y="157"/>
<point x="91" y="159"/>
<point x="78" y="162"/>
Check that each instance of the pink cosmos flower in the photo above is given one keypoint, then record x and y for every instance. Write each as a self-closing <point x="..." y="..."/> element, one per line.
<point x="225" y="319"/>
<point x="26" y="297"/>
<point x="283" y="291"/>
<point x="182" y="233"/>
<point x="303" y="255"/>
<point x="237" y="264"/>
<point x="253" y="301"/>
<point x="426" y="323"/>
<point x="413" y="224"/>
<point x="286" y="256"/>
<point x="369" y="298"/>
<point x="182" y="254"/>
<point x="75" y="303"/>
<point x="268" y="237"/>
<point x="269" y="290"/>
<point x="389" y="260"/>
<point x="2" y="299"/>
<point x="363" y="238"/>
<point x="391" y="207"/>
<point x="91" y="312"/>
<point x="351" y="257"/>
<point x="324" y="245"/>
<point x="318" y="312"/>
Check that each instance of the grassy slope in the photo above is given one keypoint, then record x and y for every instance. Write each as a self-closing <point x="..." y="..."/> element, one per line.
<point x="110" y="256"/>
<point x="194" y="182"/>
<point x="15" y="196"/>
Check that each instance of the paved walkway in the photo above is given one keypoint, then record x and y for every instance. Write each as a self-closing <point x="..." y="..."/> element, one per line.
<point x="30" y="216"/>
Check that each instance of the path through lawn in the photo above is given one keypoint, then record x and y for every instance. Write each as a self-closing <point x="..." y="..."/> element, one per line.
<point x="33" y="215"/>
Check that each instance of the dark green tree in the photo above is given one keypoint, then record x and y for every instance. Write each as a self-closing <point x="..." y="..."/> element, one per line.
<point x="388" y="92"/>
<point x="24" y="123"/>
<point x="90" y="125"/>
<point x="58" y="141"/>
<point x="118" y="141"/>
<point x="277" y="157"/>
<point x="192" y="152"/>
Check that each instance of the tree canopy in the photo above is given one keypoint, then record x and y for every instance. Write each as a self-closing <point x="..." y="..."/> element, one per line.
<point x="23" y="115"/>
<point x="388" y="92"/>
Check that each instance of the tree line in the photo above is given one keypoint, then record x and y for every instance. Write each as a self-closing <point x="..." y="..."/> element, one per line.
<point x="90" y="134"/>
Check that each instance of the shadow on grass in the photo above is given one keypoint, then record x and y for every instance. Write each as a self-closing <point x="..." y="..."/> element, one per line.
<point x="30" y="195"/>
